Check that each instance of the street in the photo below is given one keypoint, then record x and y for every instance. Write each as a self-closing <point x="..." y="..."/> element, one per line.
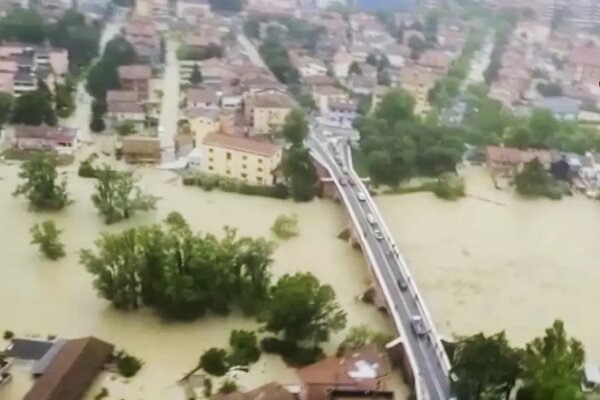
<point x="251" y="51"/>
<point x="169" y="113"/>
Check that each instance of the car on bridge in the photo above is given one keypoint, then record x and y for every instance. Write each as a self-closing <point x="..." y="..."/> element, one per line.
<point x="418" y="326"/>
<point x="361" y="196"/>
<point x="378" y="234"/>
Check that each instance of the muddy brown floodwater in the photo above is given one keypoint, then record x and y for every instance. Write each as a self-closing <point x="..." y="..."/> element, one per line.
<point x="41" y="297"/>
<point x="495" y="261"/>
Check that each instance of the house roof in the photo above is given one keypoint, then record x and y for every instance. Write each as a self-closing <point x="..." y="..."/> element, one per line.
<point x="135" y="71"/>
<point x="201" y="95"/>
<point x="589" y="56"/>
<point x="272" y="100"/>
<point x="28" y="349"/>
<point x="125" y="107"/>
<point x="328" y="90"/>
<point x="504" y="155"/>
<point x="121" y="96"/>
<point x="45" y="132"/>
<point x="71" y="371"/>
<point x="241" y="144"/>
<point x="141" y="144"/>
<point x="193" y="113"/>
<point x="270" y="391"/>
<point x="434" y="59"/>
<point x="318" y="80"/>
<point x="559" y="105"/>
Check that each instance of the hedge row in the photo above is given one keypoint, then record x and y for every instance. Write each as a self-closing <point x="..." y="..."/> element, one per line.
<point x="210" y="182"/>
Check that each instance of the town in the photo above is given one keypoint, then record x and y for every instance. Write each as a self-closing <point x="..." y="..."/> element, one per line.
<point x="299" y="199"/>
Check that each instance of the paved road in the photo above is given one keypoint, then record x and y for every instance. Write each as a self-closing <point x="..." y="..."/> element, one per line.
<point x="426" y="352"/>
<point x="253" y="54"/>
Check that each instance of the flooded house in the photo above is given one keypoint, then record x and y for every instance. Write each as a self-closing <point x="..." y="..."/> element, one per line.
<point x="45" y="137"/>
<point x="139" y="149"/>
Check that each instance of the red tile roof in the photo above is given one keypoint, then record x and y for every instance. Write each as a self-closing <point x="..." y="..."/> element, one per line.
<point x="585" y="56"/>
<point x="121" y="96"/>
<point x="135" y="72"/>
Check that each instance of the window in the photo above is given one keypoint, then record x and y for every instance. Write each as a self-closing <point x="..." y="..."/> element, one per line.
<point x="260" y="169"/>
<point x="259" y="179"/>
<point x="210" y="168"/>
<point x="260" y="160"/>
<point x="210" y="150"/>
<point x="244" y="175"/>
<point x="228" y="172"/>
<point x="228" y="155"/>
<point x="244" y="157"/>
<point x="243" y="166"/>
<point x="210" y="159"/>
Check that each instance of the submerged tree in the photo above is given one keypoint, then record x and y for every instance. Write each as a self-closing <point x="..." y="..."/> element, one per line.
<point x="47" y="236"/>
<point x="553" y="366"/>
<point x="40" y="184"/>
<point x="301" y="309"/>
<point x="117" y="197"/>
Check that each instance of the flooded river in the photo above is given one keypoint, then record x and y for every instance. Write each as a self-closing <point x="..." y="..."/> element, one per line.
<point x="495" y="261"/>
<point x="40" y="297"/>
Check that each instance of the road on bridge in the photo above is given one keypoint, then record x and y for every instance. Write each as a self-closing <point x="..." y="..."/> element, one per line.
<point x="427" y="351"/>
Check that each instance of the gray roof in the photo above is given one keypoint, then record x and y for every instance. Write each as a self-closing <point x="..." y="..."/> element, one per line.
<point x="41" y="365"/>
<point x="559" y="105"/>
<point x="28" y="349"/>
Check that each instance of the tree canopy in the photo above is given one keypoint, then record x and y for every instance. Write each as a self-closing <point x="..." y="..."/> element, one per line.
<point x="6" y="105"/>
<point x="533" y="181"/>
<point x="41" y="186"/>
<point x="196" y="76"/>
<point x="303" y="310"/>
<point x="34" y="108"/>
<point x="47" y="236"/>
<point x="181" y="274"/>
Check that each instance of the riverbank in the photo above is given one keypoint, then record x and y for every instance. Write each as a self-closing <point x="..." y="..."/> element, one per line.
<point x="43" y="297"/>
<point x="495" y="261"/>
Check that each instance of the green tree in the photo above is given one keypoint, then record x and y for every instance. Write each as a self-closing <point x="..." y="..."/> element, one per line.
<point x="6" y="105"/>
<point x="549" y="89"/>
<point x="40" y="184"/>
<point x="301" y="309"/>
<point x="543" y="125"/>
<point x="214" y="361"/>
<point x="300" y="173"/>
<point x="295" y="129"/>
<point x="65" y="102"/>
<point x="417" y="45"/>
<point x="126" y="128"/>
<point x="396" y="105"/>
<point x="355" y="69"/>
<point x="553" y="366"/>
<point x="117" y="197"/>
<point x="196" y="76"/>
<point x="97" y="123"/>
<point x="361" y="336"/>
<point x="22" y="25"/>
<point x="228" y="386"/>
<point x="72" y="32"/>
<point x="285" y="227"/>
<point x="34" y="108"/>
<point x="47" y="236"/>
<point x="127" y="365"/>
<point x="227" y="5"/>
<point x="431" y="26"/>
<point x="533" y="180"/>
<point x="244" y="347"/>
<point x="101" y="78"/>
<point x="486" y="367"/>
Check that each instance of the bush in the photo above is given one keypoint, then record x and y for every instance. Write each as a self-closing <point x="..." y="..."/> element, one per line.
<point x="291" y="353"/>
<point x="449" y="187"/>
<point x="127" y="365"/>
<point x="209" y="181"/>
<point x="86" y="169"/>
<point x="524" y="393"/>
<point x="8" y="335"/>
<point x="214" y="361"/>
<point x="207" y="389"/>
<point x="245" y="348"/>
<point x="285" y="227"/>
<point x="102" y="394"/>
<point x="228" y="386"/>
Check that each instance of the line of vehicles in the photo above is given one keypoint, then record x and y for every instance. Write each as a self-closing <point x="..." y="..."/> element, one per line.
<point x="416" y="321"/>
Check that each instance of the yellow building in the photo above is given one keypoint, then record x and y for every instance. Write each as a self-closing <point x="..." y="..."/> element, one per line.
<point x="418" y="81"/>
<point x="249" y="160"/>
<point x="268" y="111"/>
<point x="203" y="122"/>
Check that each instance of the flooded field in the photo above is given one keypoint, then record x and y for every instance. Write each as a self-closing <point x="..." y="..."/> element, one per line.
<point x="495" y="261"/>
<point x="40" y="297"/>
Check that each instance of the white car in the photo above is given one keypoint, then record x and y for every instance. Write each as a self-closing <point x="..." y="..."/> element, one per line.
<point x="418" y="326"/>
<point x="361" y="196"/>
<point x="378" y="234"/>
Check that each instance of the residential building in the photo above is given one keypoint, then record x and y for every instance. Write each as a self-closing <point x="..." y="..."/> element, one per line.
<point x="437" y="61"/>
<point x="136" y="78"/>
<point x="591" y="378"/>
<point x="563" y="108"/>
<point x="249" y="160"/>
<point x="362" y="85"/>
<point x="202" y="122"/>
<point x="143" y="35"/>
<point x="418" y="81"/>
<point x="584" y="63"/>
<point x="44" y="137"/>
<point x="69" y="372"/>
<point x="118" y="112"/>
<point x="397" y="55"/>
<point x="341" y="64"/>
<point x="342" y="113"/>
<point x="532" y="32"/>
<point x="267" y="111"/>
<point x="205" y="98"/>
<point x="360" y="371"/>
<point x="307" y="66"/>
<point x="121" y="96"/>
<point x="323" y="95"/>
<point x="139" y="149"/>
<point x="510" y="160"/>
<point x="193" y="9"/>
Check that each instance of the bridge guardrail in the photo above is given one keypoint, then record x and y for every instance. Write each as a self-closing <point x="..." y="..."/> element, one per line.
<point x="420" y="303"/>
<point x="397" y="320"/>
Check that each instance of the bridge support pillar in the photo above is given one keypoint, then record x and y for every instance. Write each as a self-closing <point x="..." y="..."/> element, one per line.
<point x="399" y="359"/>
